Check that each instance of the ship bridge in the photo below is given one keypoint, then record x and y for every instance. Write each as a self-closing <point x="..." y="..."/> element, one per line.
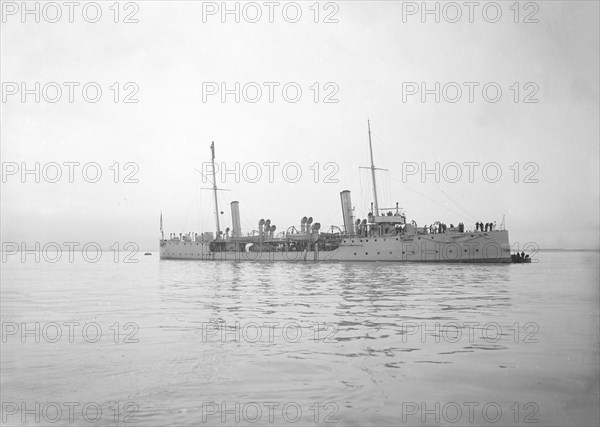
<point x="390" y="218"/>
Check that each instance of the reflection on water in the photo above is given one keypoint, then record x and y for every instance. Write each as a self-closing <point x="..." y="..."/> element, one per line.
<point x="360" y="343"/>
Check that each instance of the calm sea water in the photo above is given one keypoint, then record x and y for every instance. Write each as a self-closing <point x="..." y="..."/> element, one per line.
<point x="362" y="344"/>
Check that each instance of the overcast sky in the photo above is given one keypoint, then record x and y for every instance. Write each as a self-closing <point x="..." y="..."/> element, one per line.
<point x="369" y="58"/>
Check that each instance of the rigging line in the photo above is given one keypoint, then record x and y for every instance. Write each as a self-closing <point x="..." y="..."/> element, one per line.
<point x="389" y="147"/>
<point x="330" y="214"/>
<point x="199" y="216"/>
<point x="465" y="210"/>
<point x="387" y="188"/>
<point x="206" y="178"/>
<point x="247" y="223"/>
<point x="430" y="199"/>
<point x="364" y="190"/>
<point x="190" y="205"/>
<point x="458" y="205"/>
<point x="246" y="207"/>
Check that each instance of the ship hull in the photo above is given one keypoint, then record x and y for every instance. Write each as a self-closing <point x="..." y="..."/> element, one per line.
<point x="469" y="247"/>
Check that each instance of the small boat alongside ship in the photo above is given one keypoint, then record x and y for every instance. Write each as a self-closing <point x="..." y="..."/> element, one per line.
<point x="385" y="235"/>
<point x="520" y="258"/>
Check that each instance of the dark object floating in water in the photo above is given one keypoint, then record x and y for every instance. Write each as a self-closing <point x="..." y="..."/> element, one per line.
<point x="148" y="253"/>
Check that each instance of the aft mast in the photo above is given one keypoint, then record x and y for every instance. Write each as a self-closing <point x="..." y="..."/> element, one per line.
<point x="162" y="233"/>
<point x="214" y="175"/>
<point x="376" y="213"/>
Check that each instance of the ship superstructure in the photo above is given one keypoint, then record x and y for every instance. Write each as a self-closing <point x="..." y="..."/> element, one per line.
<point x="384" y="235"/>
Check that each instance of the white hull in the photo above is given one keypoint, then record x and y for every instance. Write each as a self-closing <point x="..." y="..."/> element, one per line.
<point x="471" y="247"/>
